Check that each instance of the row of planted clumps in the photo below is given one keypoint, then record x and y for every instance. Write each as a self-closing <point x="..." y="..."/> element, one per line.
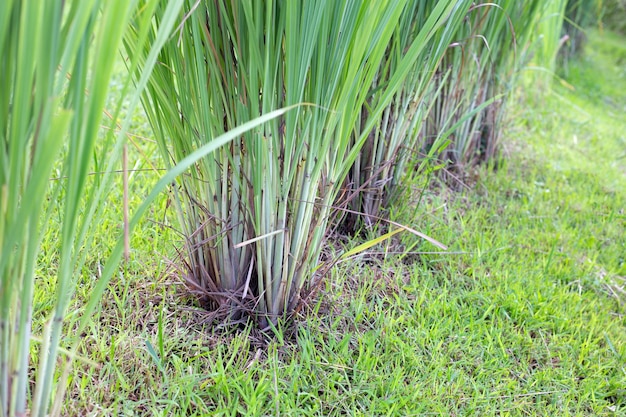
<point x="278" y="119"/>
<point x="379" y="87"/>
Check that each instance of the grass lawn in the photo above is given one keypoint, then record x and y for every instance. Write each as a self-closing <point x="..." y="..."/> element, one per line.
<point x="525" y="316"/>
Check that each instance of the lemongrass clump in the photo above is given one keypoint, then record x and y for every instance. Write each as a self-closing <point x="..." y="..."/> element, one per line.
<point x="380" y="165"/>
<point x="255" y="214"/>
<point x="475" y="79"/>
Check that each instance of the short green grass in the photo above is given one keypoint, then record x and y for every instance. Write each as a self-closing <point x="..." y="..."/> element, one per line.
<point x="526" y="316"/>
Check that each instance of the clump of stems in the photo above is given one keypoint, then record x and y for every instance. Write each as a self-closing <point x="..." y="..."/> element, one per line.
<point x="474" y="82"/>
<point x="255" y="214"/>
<point x="380" y="164"/>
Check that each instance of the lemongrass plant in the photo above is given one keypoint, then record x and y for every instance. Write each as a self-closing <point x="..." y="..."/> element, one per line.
<point x="255" y="214"/>
<point x="57" y="59"/>
<point x="475" y="80"/>
<point x="380" y="165"/>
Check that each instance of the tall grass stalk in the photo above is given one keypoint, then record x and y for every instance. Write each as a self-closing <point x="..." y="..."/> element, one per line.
<point x="255" y="214"/>
<point x="57" y="60"/>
